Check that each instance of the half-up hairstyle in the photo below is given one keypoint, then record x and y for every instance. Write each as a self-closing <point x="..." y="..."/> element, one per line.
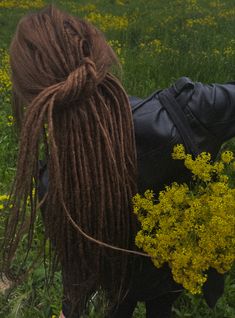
<point x="72" y="111"/>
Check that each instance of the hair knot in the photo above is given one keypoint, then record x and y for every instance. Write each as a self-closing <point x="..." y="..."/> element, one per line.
<point x="81" y="82"/>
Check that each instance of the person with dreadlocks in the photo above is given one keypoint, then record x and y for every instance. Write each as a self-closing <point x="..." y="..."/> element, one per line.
<point x="86" y="148"/>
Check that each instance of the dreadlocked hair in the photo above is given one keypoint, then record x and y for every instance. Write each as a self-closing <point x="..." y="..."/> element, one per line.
<point x="66" y="99"/>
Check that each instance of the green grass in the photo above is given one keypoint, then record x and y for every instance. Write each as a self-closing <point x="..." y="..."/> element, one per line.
<point x="163" y="41"/>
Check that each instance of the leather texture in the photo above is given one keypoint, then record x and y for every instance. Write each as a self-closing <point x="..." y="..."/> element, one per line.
<point x="210" y="111"/>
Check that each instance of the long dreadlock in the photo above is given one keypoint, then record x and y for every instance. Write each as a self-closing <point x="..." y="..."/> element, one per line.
<point x="67" y="99"/>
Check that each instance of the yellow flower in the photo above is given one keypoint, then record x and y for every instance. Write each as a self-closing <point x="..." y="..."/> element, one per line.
<point x="5" y="82"/>
<point x="10" y="120"/>
<point x="218" y="167"/>
<point x="227" y="156"/>
<point x="191" y="229"/>
<point x="24" y="4"/>
<point x="216" y="4"/>
<point x="227" y="14"/>
<point x="206" y="21"/>
<point x="178" y="152"/>
<point x="4" y="197"/>
<point x="118" y="48"/>
<point x="215" y="52"/>
<point x="88" y="7"/>
<point x="156" y="47"/>
<point x="108" y="21"/>
<point x="120" y="2"/>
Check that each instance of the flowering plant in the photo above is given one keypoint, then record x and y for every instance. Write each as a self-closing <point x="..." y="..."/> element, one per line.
<point x="191" y="228"/>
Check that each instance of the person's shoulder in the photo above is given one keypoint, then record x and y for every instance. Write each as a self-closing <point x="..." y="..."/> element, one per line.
<point x="183" y="83"/>
<point x="134" y="100"/>
<point x="137" y="103"/>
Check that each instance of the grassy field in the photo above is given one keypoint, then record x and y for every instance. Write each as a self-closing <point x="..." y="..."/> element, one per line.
<point x="157" y="42"/>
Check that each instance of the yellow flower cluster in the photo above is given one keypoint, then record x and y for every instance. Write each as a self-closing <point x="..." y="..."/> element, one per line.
<point x="216" y="4"/>
<point x="227" y="14"/>
<point x="229" y="51"/>
<point x="215" y="52"/>
<point x="165" y="21"/>
<point x="5" y="82"/>
<point x="3" y="200"/>
<point x="121" y="2"/>
<point x="76" y="8"/>
<point x="107" y="21"/>
<point x="191" y="3"/>
<point x="191" y="229"/>
<point x="4" y="79"/>
<point x="23" y="4"/>
<point x="10" y="120"/>
<point x="156" y="47"/>
<point x="4" y="57"/>
<point x="117" y="47"/>
<point x="87" y="7"/>
<point x="206" y="21"/>
<point x="192" y="6"/>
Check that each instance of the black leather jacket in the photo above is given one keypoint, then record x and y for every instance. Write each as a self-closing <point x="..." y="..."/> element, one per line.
<point x="210" y="114"/>
<point x="209" y="110"/>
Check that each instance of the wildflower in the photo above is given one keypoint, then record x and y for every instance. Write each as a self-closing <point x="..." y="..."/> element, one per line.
<point x="191" y="229"/>
<point x="88" y="7"/>
<point x="206" y="21"/>
<point x="227" y="156"/>
<point x="179" y="152"/>
<point x="10" y="120"/>
<point x="24" y="4"/>
<point x="216" y="4"/>
<point x="118" y="48"/>
<point x="156" y="47"/>
<point x="5" y="82"/>
<point x="108" y="21"/>
<point x="4" y="197"/>
<point x="120" y="2"/>
<point x="229" y="51"/>
<point x="227" y="14"/>
<point x="218" y="167"/>
<point x="215" y="52"/>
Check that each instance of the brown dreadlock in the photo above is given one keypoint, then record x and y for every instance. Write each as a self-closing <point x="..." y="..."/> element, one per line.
<point x="66" y="99"/>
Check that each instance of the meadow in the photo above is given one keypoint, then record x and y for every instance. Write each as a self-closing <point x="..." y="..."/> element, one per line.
<point x="156" y="42"/>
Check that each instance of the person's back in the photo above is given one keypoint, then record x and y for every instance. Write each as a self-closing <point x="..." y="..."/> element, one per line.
<point x="97" y="153"/>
